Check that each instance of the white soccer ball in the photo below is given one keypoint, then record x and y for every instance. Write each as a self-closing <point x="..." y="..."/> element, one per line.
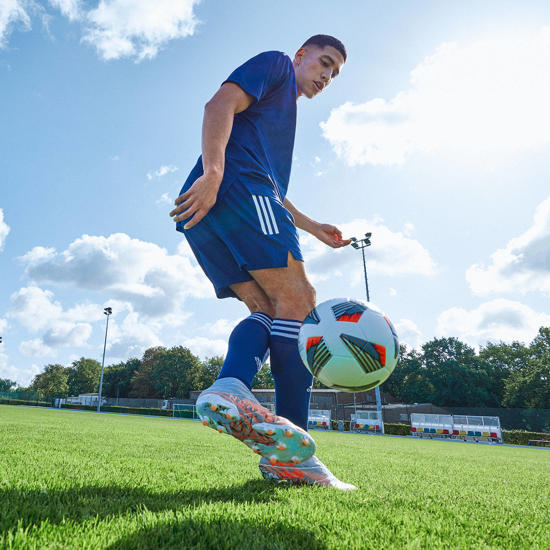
<point x="349" y="345"/>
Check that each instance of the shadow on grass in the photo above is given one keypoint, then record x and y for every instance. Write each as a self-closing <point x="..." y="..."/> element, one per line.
<point x="220" y="533"/>
<point x="32" y="507"/>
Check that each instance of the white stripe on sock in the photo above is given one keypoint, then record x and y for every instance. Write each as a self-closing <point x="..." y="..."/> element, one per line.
<point x="263" y="316"/>
<point x="289" y="323"/>
<point x="262" y="322"/>
<point x="295" y="330"/>
<point x="284" y="335"/>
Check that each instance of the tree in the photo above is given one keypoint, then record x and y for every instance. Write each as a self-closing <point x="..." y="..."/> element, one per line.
<point x="117" y="379"/>
<point x="84" y="376"/>
<point x="6" y="384"/>
<point x="264" y="380"/>
<point x="529" y="386"/>
<point x="165" y="373"/>
<point x="207" y="372"/>
<point x="53" y="382"/>
<point x="457" y="374"/>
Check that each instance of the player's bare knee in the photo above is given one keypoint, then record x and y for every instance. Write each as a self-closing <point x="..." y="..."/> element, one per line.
<point x="295" y="303"/>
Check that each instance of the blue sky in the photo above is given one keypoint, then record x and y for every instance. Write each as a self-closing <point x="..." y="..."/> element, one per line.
<point x="435" y="137"/>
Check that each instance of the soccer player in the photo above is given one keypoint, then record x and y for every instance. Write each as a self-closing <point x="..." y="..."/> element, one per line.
<point x="234" y="212"/>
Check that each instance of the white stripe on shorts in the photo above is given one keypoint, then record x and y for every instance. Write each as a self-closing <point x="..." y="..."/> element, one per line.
<point x="259" y="212"/>
<point x="265" y="215"/>
<point x="274" y="223"/>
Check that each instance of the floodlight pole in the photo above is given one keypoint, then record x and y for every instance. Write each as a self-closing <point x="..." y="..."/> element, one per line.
<point x="362" y="244"/>
<point x="106" y="311"/>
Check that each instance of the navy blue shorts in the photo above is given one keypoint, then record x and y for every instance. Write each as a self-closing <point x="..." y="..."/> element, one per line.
<point x="243" y="231"/>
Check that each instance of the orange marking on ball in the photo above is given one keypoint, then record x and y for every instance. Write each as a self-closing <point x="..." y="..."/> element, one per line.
<point x="205" y="422"/>
<point x="281" y="446"/>
<point x="273" y="460"/>
<point x="214" y="407"/>
<point x="220" y="430"/>
<point x="305" y="442"/>
<point x="270" y="432"/>
<point x="288" y="433"/>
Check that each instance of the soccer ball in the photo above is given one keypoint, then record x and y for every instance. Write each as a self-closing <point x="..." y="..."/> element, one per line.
<point x="349" y="345"/>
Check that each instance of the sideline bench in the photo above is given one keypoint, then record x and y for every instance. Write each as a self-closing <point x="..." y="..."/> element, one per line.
<point x="319" y="419"/>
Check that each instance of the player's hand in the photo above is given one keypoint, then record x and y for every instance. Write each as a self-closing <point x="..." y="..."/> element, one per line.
<point x="331" y="235"/>
<point x="196" y="201"/>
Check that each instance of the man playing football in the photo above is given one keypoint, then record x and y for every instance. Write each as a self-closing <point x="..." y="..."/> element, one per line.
<point x="242" y="229"/>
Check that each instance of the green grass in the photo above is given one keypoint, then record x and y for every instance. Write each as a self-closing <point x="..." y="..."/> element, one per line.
<point x="80" y="480"/>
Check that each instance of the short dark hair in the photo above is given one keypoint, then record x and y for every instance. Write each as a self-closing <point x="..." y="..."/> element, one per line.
<point x="323" y="40"/>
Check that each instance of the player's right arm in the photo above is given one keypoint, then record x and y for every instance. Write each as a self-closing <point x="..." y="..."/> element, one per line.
<point x="217" y="124"/>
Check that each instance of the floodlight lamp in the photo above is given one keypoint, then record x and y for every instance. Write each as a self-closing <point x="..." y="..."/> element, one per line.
<point x="108" y="310"/>
<point x="368" y="235"/>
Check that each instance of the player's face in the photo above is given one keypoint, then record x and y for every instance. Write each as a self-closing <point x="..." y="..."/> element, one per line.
<point x="315" y="67"/>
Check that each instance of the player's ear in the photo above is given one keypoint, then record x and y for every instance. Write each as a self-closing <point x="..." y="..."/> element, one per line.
<point x="299" y="55"/>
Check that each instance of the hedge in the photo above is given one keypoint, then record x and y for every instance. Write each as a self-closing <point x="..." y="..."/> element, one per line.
<point x="118" y="409"/>
<point x="521" y="437"/>
<point x="5" y="401"/>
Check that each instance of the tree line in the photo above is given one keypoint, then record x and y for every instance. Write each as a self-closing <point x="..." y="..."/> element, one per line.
<point x="448" y="372"/>
<point x="444" y="371"/>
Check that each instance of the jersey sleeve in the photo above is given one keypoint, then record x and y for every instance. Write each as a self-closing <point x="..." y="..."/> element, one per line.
<point x="261" y="74"/>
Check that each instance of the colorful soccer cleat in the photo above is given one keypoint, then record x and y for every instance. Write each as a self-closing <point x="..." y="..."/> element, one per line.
<point x="310" y="472"/>
<point x="238" y="413"/>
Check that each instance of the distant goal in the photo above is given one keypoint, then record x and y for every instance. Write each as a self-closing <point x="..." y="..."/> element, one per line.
<point x="184" y="410"/>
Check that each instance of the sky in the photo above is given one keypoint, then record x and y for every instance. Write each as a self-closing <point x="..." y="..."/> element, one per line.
<point x="435" y="137"/>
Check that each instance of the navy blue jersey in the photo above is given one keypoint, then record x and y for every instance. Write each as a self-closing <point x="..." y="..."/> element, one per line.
<point x="259" y="151"/>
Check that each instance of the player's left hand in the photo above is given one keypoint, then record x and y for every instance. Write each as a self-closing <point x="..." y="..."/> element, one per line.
<point x="331" y="235"/>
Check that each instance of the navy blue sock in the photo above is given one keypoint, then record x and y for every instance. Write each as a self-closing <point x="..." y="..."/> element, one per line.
<point x="292" y="380"/>
<point x="248" y="348"/>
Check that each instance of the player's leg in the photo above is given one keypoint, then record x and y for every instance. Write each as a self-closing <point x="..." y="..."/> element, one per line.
<point x="248" y="346"/>
<point x="293" y="298"/>
<point x="230" y="407"/>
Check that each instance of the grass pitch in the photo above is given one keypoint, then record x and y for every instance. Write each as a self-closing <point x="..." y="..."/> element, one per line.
<point x="80" y="480"/>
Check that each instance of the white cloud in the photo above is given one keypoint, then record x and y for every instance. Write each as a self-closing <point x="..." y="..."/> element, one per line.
<point x="523" y="266"/>
<point x="495" y="321"/>
<point x="4" y="229"/>
<point x="22" y="376"/>
<point x="205" y="347"/>
<point x="221" y="327"/>
<point x="37" y="311"/>
<point x="489" y="97"/>
<point x="408" y="333"/>
<point x="3" y="325"/>
<point x="35" y="348"/>
<point x="164" y="199"/>
<point x="126" y="269"/>
<point x="72" y="9"/>
<point x="138" y="28"/>
<point x="162" y="171"/>
<point x="34" y="308"/>
<point x="391" y="254"/>
<point x="12" y="13"/>
<point x="131" y="337"/>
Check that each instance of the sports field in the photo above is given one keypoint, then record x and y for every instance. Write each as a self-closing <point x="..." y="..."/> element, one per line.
<point x="80" y="480"/>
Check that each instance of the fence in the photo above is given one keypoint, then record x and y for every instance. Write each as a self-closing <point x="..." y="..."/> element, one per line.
<point x="534" y="420"/>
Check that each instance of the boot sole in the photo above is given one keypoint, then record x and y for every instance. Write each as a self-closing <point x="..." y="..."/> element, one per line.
<point x="271" y="436"/>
